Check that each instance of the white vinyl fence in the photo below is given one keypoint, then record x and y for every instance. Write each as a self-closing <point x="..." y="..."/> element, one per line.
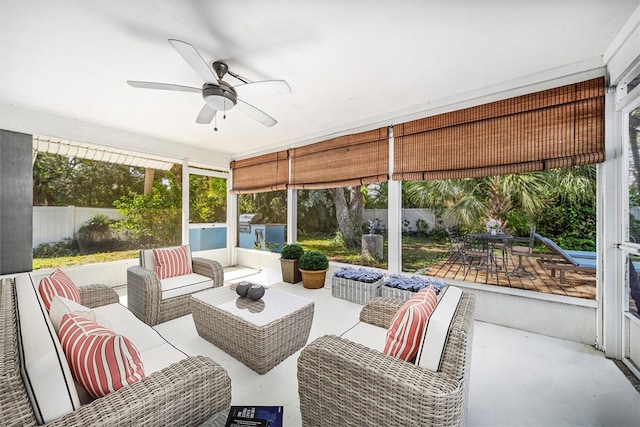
<point x="410" y="218"/>
<point x="56" y="223"/>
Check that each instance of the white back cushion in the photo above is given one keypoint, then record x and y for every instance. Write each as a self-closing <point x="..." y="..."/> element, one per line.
<point x="61" y="306"/>
<point x="437" y="330"/>
<point x="45" y="370"/>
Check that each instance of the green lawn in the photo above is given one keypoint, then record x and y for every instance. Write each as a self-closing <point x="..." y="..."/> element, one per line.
<point x="418" y="252"/>
<point x="67" y="261"/>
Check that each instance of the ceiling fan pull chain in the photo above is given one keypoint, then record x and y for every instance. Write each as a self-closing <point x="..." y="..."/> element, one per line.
<point x="215" y="125"/>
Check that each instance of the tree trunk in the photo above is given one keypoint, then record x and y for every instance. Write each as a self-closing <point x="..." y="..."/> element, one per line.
<point x="349" y="214"/>
<point x="148" y="180"/>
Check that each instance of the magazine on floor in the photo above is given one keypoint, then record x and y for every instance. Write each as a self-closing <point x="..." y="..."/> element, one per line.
<point x="255" y="416"/>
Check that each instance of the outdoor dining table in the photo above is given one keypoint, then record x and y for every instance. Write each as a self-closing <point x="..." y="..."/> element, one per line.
<point x="489" y="240"/>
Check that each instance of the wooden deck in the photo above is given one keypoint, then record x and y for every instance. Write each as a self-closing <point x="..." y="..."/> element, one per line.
<point x="578" y="284"/>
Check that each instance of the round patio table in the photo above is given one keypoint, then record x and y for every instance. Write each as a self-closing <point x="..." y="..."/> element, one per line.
<point x="489" y="242"/>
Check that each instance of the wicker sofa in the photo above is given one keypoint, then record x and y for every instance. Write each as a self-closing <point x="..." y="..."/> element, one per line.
<point x="344" y="383"/>
<point x="154" y="300"/>
<point x="36" y="386"/>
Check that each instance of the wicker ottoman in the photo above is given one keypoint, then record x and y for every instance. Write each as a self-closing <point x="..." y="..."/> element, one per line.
<point x="260" y="333"/>
<point x="355" y="291"/>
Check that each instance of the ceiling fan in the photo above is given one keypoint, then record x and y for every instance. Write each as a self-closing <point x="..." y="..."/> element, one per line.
<point x="218" y="94"/>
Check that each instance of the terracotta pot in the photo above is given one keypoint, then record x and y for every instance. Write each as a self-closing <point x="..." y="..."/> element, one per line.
<point x="290" y="271"/>
<point x="313" y="279"/>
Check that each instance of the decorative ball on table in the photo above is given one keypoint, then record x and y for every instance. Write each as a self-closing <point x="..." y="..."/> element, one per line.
<point x="256" y="292"/>
<point x="242" y="288"/>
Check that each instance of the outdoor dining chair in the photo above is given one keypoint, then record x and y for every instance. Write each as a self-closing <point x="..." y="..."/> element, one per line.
<point x="522" y="247"/>
<point x="456" y="245"/>
<point x="480" y="249"/>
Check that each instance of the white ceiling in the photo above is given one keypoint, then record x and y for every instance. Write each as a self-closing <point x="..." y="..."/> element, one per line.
<point x="350" y="64"/>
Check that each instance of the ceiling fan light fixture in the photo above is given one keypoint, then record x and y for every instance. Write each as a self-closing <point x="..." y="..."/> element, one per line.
<point x="221" y="97"/>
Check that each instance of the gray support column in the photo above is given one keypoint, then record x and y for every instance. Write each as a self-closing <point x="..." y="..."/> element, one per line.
<point x="16" y="202"/>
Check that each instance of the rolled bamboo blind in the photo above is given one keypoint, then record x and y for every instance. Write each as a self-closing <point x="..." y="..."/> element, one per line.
<point x="544" y="130"/>
<point x="268" y="172"/>
<point x="349" y="160"/>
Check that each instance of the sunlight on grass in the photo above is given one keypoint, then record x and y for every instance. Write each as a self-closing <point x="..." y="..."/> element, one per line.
<point x="39" y="263"/>
<point x="417" y="253"/>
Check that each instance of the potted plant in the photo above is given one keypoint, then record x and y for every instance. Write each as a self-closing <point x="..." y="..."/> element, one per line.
<point x="289" y="257"/>
<point x="313" y="265"/>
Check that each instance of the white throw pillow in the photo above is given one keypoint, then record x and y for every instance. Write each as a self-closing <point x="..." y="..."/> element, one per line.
<point x="61" y="306"/>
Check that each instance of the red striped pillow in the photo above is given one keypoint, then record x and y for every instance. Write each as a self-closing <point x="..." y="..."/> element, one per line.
<point x="172" y="262"/>
<point x="57" y="284"/>
<point x="408" y="324"/>
<point x="100" y="360"/>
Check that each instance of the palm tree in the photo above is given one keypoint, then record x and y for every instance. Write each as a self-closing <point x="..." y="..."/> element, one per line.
<point x="471" y="201"/>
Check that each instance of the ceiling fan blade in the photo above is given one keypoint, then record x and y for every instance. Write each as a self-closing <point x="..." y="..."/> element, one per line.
<point x="266" y="87"/>
<point x="255" y="113"/>
<point x="194" y="59"/>
<point x="205" y="115"/>
<point x="163" y="86"/>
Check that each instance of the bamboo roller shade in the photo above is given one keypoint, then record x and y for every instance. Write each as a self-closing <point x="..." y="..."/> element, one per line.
<point x="268" y="172"/>
<point x="357" y="159"/>
<point x="550" y="129"/>
<point x="554" y="128"/>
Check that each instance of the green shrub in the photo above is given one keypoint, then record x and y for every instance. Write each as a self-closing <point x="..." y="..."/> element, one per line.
<point x="98" y="234"/>
<point x="292" y="251"/>
<point x="66" y="247"/>
<point x="313" y="260"/>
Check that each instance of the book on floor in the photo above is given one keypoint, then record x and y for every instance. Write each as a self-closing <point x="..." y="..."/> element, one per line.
<point x="255" y="416"/>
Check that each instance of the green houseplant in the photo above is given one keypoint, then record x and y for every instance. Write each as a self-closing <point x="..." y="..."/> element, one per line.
<point x="289" y="257"/>
<point x="313" y="266"/>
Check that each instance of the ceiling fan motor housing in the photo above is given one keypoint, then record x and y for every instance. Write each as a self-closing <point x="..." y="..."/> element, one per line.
<point x="221" y="97"/>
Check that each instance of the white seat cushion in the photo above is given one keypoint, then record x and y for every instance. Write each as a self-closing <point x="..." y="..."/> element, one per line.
<point x="155" y="352"/>
<point x="184" y="285"/>
<point x="159" y="357"/>
<point x="123" y="322"/>
<point x="368" y="335"/>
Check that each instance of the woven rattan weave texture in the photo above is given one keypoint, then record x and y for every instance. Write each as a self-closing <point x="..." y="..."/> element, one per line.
<point x="347" y="384"/>
<point x="186" y="393"/>
<point x="355" y="291"/>
<point x="144" y="292"/>
<point x="260" y="333"/>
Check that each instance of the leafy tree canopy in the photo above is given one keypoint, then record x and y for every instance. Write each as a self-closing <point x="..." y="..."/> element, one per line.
<point x="64" y="181"/>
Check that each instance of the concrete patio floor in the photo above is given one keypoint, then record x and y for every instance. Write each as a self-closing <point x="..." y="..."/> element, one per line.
<point x="517" y="378"/>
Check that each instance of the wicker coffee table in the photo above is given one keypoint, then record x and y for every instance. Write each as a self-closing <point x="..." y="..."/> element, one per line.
<point x="260" y="333"/>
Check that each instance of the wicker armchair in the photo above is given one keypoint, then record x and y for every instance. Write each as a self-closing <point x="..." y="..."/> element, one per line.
<point x="144" y="291"/>
<point x="347" y="384"/>
<point x="186" y="393"/>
